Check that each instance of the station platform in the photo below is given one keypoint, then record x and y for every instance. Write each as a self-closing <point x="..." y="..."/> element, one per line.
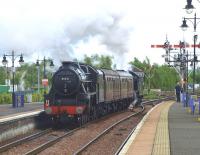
<point x="7" y="112"/>
<point x="168" y="129"/>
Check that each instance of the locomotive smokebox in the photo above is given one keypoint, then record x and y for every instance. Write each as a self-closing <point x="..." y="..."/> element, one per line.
<point x="66" y="80"/>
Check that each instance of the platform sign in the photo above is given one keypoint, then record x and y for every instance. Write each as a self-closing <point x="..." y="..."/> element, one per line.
<point x="45" y="82"/>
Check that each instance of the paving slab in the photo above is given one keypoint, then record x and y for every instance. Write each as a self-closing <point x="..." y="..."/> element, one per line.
<point x="7" y="109"/>
<point x="184" y="131"/>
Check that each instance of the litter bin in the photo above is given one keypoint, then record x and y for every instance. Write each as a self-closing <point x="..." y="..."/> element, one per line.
<point x="18" y="99"/>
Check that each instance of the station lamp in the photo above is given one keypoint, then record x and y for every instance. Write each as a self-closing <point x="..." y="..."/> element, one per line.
<point x="184" y="25"/>
<point x="189" y="7"/>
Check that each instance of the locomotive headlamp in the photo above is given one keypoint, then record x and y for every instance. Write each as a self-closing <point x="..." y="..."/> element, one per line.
<point x="79" y="110"/>
<point x="48" y="110"/>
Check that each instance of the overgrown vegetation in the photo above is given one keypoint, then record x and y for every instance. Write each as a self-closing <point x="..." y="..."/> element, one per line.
<point x="151" y="95"/>
<point x="6" y="98"/>
<point x="156" y="76"/>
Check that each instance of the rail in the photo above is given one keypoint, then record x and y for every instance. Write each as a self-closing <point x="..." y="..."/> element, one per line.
<point x="78" y="152"/>
<point x="107" y="130"/>
<point x="25" y="139"/>
<point x="51" y="142"/>
<point x="127" y="138"/>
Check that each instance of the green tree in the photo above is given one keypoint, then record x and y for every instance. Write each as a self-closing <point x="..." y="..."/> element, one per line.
<point x="105" y="62"/>
<point x="28" y="73"/>
<point x="157" y="77"/>
<point x="88" y="60"/>
<point x="147" y="68"/>
<point x="197" y="77"/>
<point x="136" y="62"/>
<point x="2" y="75"/>
<point x="99" y="61"/>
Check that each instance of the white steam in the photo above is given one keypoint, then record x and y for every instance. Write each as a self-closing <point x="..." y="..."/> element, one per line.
<point x="56" y="29"/>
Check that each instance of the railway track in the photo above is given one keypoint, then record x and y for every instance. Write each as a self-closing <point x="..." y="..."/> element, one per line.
<point x="52" y="142"/>
<point x="57" y="138"/>
<point x="5" y="148"/>
<point x="22" y="145"/>
<point x="15" y="143"/>
<point x="81" y="150"/>
<point x="106" y="131"/>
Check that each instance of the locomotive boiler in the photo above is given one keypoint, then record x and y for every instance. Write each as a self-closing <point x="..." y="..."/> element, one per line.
<point x="82" y="92"/>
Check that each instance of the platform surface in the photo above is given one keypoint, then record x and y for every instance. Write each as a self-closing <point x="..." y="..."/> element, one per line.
<point x="184" y="131"/>
<point x="7" y="110"/>
<point x="169" y="129"/>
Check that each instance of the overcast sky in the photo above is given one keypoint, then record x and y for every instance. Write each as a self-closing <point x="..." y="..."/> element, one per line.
<point x="68" y="29"/>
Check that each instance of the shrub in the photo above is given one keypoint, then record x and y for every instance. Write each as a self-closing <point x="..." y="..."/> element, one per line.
<point x="37" y="97"/>
<point x="152" y="95"/>
<point x="5" y="98"/>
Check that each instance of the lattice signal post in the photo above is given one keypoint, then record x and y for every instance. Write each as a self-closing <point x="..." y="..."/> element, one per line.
<point x="178" y="57"/>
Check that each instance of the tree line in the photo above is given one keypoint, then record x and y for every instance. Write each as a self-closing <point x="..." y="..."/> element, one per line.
<point x="156" y="76"/>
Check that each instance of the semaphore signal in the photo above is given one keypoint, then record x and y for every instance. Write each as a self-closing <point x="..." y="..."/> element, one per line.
<point x="175" y="46"/>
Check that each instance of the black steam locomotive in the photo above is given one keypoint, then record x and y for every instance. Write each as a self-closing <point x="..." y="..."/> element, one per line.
<point x="82" y="92"/>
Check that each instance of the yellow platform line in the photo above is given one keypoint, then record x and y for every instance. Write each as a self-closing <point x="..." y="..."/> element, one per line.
<point x="161" y="142"/>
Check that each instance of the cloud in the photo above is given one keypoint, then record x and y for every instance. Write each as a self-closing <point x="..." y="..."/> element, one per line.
<point x="56" y="28"/>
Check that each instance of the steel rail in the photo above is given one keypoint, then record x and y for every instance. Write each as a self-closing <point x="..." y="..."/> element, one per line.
<point x="127" y="138"/>
<point x="50" y="143"/>
<point x="25" y="139"/>
<point x="115" y="124"/>
<point x="106" y="131"/>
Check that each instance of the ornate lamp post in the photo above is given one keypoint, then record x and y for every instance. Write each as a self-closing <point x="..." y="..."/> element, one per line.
<point x="184" y="26"/>
<point x="44" y="73"/>
<point x="5" y="61"/>
<point x="189" y="7"/>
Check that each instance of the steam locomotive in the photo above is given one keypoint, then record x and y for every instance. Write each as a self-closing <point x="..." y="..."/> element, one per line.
<point x="82" y="92"/>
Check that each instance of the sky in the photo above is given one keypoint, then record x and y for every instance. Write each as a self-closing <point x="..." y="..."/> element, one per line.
<point x="66" y="30"/>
